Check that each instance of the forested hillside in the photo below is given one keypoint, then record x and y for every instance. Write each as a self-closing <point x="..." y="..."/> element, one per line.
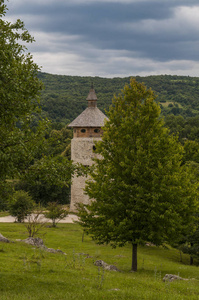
<point x="64" y="97"/>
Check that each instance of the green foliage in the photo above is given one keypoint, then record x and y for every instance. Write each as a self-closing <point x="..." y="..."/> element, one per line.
<point x="59" y="142"/>
<point x="190" y="243"/>
<point x="24" y="138"/>
<point x="55" y="212"/>
<point x="55" y="156"/>
<point x="42" y="192"/>
<point x="50" y="170"/>
<point x="6" y="191"/>
<point x="49" y="179"/>
<point x="185" y="128"/>
<point x="191" y="152"/>
<point x="21" y="205"/>
<point x="64" y="97"/>
<point x="35" y="222"/>
<point x="141" y="191"/>
<point x="19" y="90"/>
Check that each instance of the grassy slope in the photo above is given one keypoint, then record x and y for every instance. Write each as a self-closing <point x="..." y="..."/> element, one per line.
<point x="29" y="273"/>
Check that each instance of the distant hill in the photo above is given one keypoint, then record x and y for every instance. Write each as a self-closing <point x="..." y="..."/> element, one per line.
<point x="64" y="97"/>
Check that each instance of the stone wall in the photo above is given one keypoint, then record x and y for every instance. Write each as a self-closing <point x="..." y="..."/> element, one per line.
<point x="77" y="192"/>
<point x="81" y="152"/>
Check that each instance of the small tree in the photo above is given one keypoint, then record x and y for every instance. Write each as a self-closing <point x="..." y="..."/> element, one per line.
<point x="35" y="222"/>
<point x="141" y="191"/>
<point x="55" y="212"/>
<point x="21" y="205"/>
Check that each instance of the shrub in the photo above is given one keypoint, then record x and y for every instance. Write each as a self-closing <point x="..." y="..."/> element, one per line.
<point x="56" y="212"/>
<point x="35" y="222"/>
<point x="21" y="205"/>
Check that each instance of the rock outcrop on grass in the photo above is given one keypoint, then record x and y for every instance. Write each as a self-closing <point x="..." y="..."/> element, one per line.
<point x="172" y="277"/>
<point x="3" y="239"/>
<point x="101" y="263"/>
<point x="37" y="242"/>
<point x="34" y="241"/>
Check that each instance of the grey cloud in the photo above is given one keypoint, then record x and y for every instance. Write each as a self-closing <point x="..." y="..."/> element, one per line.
<point x="67" y="17"/>
<point x="84" y="27"/>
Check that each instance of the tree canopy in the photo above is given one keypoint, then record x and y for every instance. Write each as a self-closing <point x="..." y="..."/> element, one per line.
<point x="141" y="191"/>
<point x="28" y="147"/>
<point x="19" y="89"/>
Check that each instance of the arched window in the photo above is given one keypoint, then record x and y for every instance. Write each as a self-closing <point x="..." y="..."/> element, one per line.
<point x="83" y="130"/>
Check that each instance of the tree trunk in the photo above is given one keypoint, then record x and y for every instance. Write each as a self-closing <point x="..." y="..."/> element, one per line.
<point x="82" y="236"/>
<point x="180" y="256"/>
<point x="191" y="258"/>
<point x="134" y="258"/>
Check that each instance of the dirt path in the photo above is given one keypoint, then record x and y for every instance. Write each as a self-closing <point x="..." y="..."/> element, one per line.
<point x="69" y="219"/>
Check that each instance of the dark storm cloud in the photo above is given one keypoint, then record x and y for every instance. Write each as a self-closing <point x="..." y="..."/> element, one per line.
<point x="145" y="29"/>
<point x="93" y="18"/>
<point x="97" y="11"/>
<point x="104" y="25"/>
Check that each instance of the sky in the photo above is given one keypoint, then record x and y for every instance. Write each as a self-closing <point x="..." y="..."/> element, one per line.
<point x="112" y="38"/>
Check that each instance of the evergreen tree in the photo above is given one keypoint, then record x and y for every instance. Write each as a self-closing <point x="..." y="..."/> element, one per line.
<point x="141" y="191"/>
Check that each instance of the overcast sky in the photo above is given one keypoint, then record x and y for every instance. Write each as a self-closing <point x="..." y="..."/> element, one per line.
<point x="112" y="38"/>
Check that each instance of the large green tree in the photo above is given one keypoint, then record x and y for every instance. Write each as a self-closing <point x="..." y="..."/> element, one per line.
<point x="19" y="90"/>
<point x="141" y="192"/>
<point x="26" y="151"/>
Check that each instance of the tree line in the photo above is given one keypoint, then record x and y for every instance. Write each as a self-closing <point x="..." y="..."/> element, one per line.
<point x="64" y="97"/>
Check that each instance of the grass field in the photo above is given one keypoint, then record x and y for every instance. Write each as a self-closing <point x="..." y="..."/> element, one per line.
<point x="27" y="272"/>
<point x="4" y="214"/>
<point x="166" y="104"/>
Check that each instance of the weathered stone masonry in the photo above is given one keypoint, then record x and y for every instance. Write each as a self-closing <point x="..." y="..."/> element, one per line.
<point x="86" y="130"/>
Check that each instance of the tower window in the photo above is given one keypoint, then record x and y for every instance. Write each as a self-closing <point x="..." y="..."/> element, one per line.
<point x="96" y="130"/>
<point x="83" y="130"/>
<point x="94" y="148"/>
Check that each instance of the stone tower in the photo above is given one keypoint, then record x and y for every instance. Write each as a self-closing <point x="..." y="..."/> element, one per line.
<point x="86" y="130"/>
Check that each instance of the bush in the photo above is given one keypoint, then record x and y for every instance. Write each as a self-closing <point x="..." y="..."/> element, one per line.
<point x="55" y="212"/>
<point x="21" y="205"/>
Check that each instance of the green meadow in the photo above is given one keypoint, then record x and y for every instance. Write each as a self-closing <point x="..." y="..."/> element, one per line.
<point x="27" y="272"/>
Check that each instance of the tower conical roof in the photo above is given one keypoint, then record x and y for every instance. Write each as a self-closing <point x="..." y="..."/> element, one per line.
<point x="91" y="116"/>
<point x="92" y="96"/>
